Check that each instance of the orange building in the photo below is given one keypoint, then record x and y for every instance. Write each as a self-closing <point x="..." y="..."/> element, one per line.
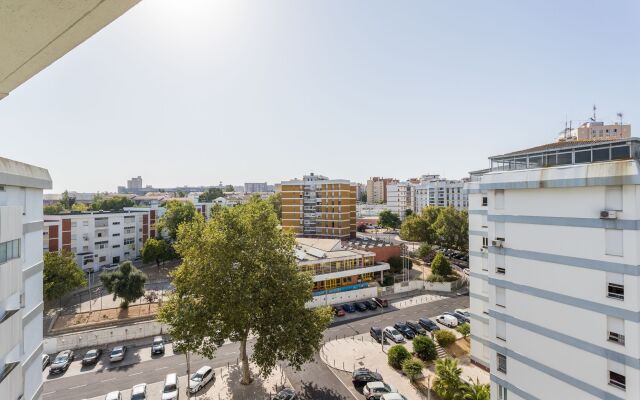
<point x="316" y="206"/>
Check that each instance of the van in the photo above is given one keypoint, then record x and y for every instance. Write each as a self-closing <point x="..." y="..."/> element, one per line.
<point x="170" y="388"/>
<point x="447" y="320"/>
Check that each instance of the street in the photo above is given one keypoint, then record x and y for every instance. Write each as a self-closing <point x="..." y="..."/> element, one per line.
<point x="314" y="381"/>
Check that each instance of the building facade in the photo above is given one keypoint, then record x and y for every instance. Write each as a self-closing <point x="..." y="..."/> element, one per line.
<point x="554" y="281"/>
<point x="399" y="198"/>
<point x="134" y="183"/>
<point x="100" y="238"/>
<point x="316" y="206"/>
<point x="377" y="189"/>
<point x="21" y="275"/>
<point x="596" y="130"/>
<point x="435" y="191"/>
<point x="257" y="187"/>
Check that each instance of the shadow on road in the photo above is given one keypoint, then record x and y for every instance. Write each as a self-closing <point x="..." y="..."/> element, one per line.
<point x="310" y="390"/>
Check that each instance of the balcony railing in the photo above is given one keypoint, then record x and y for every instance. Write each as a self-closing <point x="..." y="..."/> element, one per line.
<point x="11" y="381"/>
<point x="10" y="324"/>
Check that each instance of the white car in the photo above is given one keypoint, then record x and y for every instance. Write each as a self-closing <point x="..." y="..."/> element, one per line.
<point x="116" y="395"/>
<point x="170" y="389"/>
<point x="393" y="334"/>
<point x="139" y="392"/>
<point x="200" y="378"/>
<point x="374" y="390"/>
<point x="392" y="396"/>
<point x="118" y="353"/>
<point x="447" y="320"/>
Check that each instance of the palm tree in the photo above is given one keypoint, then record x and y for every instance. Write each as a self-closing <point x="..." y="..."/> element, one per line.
<point x="477" y="391"/>
<point x="447" y="383"/>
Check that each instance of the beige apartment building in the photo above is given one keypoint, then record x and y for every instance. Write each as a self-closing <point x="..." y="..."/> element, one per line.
<point x="377" y="189"/>
<point x="596" y="130"/>
<point x="316" y="206"/>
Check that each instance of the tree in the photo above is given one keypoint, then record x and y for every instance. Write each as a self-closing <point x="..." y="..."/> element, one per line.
<point x="177" y="212"/>
<point x="61" y="274"/>
<point x="415" y="229"/>
<point x="67" y="201"/>
<point x="229" y="188"/>
<point x="388" y="219"/>
<point x="447" y="383"/>
<point x="424" y="250"/>
<point x="181" y="194"/>
<point x="361" y="228"/>
<point x="79" y="207"/>
<point x="412" y="368"/>
<point x="276" y="202"/>
<point x="210" y="195"/>
<point x="408" y="212"/>
<point x="395" y="262"/>
<point x="464" y="329"/>
<point x="476" y="391"/>
<point x="425" y="348"/>
<point x="440" y="265"/>
<point x="158" y="250"/>
<point x="114" y="203"/>
<point x="397" y="355"/>
<point x="444" y="338"/>
<point x="53" y="209"/>
<point x="363" y="197"/>
<point x="452" y="227"/>
<point x="239" y="277"/>
<point x="126" y="282"/>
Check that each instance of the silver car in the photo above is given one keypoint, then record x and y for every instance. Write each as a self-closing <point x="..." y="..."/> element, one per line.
<point x="393" y="334"/>
<point x="118" y="353"/>
<point x="200" y="378"/>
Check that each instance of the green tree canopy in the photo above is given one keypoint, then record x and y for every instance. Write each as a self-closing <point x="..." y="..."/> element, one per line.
<point x="113" y="203"/>
<point x="476" y="391"/>
<point x="79" y="207"/>
<point x="363" y="197"/>
<point x="464" y="329"/>
<point x="424" y="250"/>
<point x="447" y="383"/>
<point x="452" y="227"/>
<point x="276" y="202"/>
<point x="424" y="348"/>
<point x="67" y="201"/>
<point x="412" y="368"/>
<point x="53" y="209"/>
<point x="388" y="219"/>
<point x="158" y="250"/>
<point x="444" y="338"/>
<point x="229" y="188"/>
<point x="440" y="265"/>
<point x="177" y="212"/>
<point x="126" y="282"/>
<point x="239" y="277"/>
<point x="61" y="274"/>
<point x="415" y="229"/>
<point x="397" y="355"/>
<point x="210" y="195"/>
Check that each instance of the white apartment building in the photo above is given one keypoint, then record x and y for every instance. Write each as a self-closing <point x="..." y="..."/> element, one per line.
<point x="435" y="191"/>
<point x="100" y="238"/>
<point x="555" y="277"/>
<point x="21" y="269"/>
<point x="257" y="187"/>
<point x="399" y="198"/>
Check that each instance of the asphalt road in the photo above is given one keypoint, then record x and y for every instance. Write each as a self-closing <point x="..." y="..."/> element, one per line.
<point x="315" y="381"/>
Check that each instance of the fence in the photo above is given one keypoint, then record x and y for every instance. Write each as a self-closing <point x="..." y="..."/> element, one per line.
<point x="343" y="297"/>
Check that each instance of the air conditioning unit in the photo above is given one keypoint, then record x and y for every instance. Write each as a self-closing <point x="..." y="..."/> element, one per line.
<point x="499" y="242"/>
<point x="606" y="214"/>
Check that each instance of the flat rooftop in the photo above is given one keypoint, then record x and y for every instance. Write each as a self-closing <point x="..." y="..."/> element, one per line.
<point x="311" y="249"/>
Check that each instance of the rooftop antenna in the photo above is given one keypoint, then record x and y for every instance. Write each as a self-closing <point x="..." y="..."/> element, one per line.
<point x="594" y="113"/>
<point x="620" y="115"/>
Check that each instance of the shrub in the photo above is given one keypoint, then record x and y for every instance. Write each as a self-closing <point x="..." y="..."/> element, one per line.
<point x="464" y="329"/>
<point x="424" y="348"/>
<point x="412" y="368"/>
<point x="424" y="250"/>
<point x="397" y="355"/>
<point x="395" y="262"/>
<point x="440" y="265"/>
<point x="445" y="338"/>
<point x="447" y="383"/>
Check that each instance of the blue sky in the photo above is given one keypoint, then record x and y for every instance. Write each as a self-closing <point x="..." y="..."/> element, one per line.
<point x="198" y="92"/>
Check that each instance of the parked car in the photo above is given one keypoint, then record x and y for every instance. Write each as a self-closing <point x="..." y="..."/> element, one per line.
<point x="91" y="357"/>
<point x="118" y="353"/>
<point x="360" y="306"/>
<point x="375" y="390"/>
<point x="460" y="317"/>
<point x="338" y="312"/>
<point x="361" y="376"/>
<point x="348" y="308"/>
<point x="62" y="361"/>
<point x="157" y="346"/>
<point x="200" y="378"/>
<point x="370" y="305"/>
<point x="115" y="395"/>
<point x="428" y="324"/>
<point x="380" y="302"/>
<point x="139" y="392"/>
<point x="286" y="394"/>
<point x="463" y="312"/>
<point x="46" y="360"/>
<point x="416" y="328"/>
<point x="170" y="389"/>
<point x="447" y="320"/>
<point x="376" y="333"/>
<point x="392" y="396"/>
<point x="393" y="334"/>
<point x="404" y="329"/>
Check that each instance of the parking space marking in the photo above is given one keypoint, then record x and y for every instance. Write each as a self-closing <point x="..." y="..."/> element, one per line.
<point x="77" y="387"/>
<point x="158" y="369"/>
<point x="136" y="373"/>
<point x="109" y="380"/>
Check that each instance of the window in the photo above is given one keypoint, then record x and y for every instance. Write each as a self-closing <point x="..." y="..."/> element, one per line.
<point x="115" y="223"/>
<point x="502" y="362"/>
<point x="484" y="201"/>
<point x="85" y="223"/>
<point x="615" y="291"/>
<point x="9" y="250"/>
<point x="613" y="242"/>
<point x="502" y="392"/>
<point x="500" y="270"/>
<point x="617" y="380"/>
<point x="501" y="330"/>
<point x="116" y="234"/>
<point x="500" y="297"/>
<point x="102" y="259"/>
<point x="485" y="242"/>
<point x="115" y="246"/>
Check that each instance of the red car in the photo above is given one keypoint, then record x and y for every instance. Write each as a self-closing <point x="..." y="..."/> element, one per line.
<point x="380" y="301"/>
<point x="338" y="312"/>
